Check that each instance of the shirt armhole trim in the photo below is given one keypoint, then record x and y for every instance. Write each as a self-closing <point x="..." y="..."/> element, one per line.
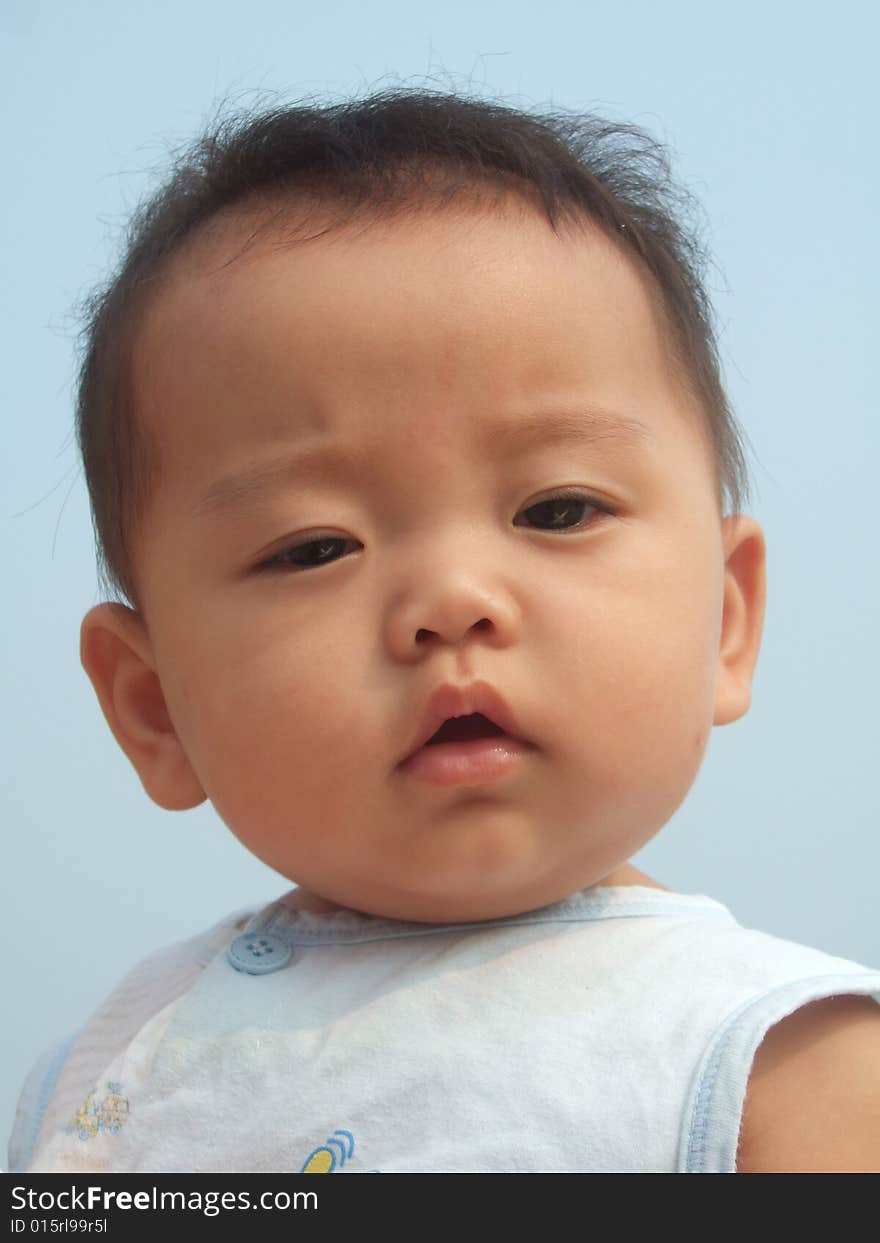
<point x="33" y="1102"/>
<point x="713" y="1113"/>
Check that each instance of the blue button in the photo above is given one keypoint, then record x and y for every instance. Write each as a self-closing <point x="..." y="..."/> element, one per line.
<point x="258" y="953"/>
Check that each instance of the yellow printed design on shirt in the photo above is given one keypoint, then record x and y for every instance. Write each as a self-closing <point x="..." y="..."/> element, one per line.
<point x="107" y="1114"/>
<point x="332" y="1152"/>
<point x="332" y="1155"/>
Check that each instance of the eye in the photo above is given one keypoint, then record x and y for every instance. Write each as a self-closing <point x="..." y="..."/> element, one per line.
<point x="308" y="555"/>
<point x="564" y="512"/>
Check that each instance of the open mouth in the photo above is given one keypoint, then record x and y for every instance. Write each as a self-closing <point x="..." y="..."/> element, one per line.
<point x="464" y="728"/>
<point x="467" y="751"/>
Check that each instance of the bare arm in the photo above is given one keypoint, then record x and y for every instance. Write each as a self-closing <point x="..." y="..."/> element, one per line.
<point x="813" y="1097"/>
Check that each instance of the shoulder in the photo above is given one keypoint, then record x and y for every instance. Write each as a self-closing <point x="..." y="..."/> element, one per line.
<point x="136" y="1000"/>
<point x="813" y="1097"/>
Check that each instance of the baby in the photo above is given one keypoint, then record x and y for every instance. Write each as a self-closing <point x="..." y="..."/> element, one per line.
<point x="408" y="456"/>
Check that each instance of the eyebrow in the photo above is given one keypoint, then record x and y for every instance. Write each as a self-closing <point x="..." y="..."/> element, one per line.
<point x="503" y="438"/>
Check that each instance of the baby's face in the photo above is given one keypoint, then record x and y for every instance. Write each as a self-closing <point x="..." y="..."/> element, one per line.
<point x="298" y="621"/>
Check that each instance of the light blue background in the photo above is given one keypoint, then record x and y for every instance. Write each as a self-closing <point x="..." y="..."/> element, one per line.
<point x="771" y="109"/>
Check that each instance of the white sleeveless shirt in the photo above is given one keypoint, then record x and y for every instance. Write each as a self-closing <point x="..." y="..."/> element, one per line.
<point x="613" y="1031"/>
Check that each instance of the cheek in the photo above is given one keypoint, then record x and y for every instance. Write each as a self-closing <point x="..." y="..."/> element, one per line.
<point x="635" y="661"/>
<point x="272" y="710"/>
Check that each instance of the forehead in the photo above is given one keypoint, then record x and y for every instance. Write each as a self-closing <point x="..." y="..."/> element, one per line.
<point x="421" y="327"/>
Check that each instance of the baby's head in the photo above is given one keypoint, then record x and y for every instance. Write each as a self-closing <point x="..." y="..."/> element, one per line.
<point x="409" y="394"/>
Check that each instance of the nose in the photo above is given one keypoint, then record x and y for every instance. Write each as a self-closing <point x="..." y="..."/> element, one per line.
<point x="452" y="610"/>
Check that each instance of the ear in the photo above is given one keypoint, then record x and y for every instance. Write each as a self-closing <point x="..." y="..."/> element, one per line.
<point x="745" y="594"/>
<point x="116" y="653"/>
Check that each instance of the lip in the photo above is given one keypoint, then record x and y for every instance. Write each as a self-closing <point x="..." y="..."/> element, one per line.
<point x="449" y="701"/>
<point x="473" y="762"/>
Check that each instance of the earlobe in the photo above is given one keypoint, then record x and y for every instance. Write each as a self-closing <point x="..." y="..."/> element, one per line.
<point x="116" y="653"/>
<point x="745" y="595"/>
